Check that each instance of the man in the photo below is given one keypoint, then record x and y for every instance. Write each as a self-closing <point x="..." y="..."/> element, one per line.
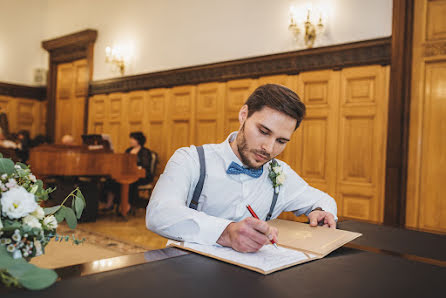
<point x="237" y="175"/>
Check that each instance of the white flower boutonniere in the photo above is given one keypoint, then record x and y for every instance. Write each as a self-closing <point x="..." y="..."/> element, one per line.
<point x="276" y="175"/>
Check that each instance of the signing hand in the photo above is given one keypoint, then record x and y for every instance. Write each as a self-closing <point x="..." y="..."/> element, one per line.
<point x="248" y="235"/>
<point x="326" y="219"/>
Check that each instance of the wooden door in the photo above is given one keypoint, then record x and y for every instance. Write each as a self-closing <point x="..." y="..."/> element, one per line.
<point x="71" y="92"/>
<point x="361" y="144"/>
<point x="426" y="203"/>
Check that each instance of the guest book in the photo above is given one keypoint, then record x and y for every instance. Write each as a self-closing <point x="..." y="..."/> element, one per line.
<point x="298" y="243"/>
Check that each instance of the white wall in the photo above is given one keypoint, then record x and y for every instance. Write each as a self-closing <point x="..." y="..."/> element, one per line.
<point x="21" y="33"/>
<point x="166" y="34"/>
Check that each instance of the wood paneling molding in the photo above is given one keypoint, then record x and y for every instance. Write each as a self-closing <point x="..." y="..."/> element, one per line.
<point x="23" y="91"/>
<point x="368" y="52"/>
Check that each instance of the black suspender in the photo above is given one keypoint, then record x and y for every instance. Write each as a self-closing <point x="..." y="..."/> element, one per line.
<point x="199" y="187"/>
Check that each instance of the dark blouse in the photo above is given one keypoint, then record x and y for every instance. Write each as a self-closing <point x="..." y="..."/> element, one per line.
<point x="144" y="159"/>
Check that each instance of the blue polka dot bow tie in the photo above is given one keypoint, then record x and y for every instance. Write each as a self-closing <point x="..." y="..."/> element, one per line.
<point x="236" y="169"/>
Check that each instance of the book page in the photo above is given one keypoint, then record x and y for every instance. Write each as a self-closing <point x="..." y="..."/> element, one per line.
<point x="268" y="258"/>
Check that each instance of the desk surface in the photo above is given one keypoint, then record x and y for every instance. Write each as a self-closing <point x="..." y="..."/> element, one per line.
<point x="347" y="272"/>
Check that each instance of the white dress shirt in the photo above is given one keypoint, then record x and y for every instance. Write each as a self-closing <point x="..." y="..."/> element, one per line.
<point x="224" y="197"/>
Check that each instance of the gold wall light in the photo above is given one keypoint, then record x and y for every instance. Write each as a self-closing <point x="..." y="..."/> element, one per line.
<point x="312" y="29"/>
<point x="114" y="56"/>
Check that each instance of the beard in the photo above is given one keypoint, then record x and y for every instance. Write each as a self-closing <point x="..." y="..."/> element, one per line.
<point x="244" y="150"/>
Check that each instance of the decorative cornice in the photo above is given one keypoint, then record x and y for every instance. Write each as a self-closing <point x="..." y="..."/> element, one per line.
<point x="368" y="52"/>
<point x="70" y="47"/>
<point x="23" y="91"/>
<point x="79" y="38"/>
<point x="435" y="49"/>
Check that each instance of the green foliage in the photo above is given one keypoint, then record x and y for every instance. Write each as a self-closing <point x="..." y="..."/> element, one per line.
<point x="6" y="166"/>
<point x="16" y="272"/>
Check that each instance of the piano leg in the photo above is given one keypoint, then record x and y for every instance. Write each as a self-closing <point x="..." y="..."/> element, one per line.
<point x="124" y="207"/>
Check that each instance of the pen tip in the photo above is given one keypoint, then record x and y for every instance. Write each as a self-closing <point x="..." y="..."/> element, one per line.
<point x="275" y="245"/>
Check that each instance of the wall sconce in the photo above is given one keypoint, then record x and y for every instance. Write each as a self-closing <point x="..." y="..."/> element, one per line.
<point x="115" y="57"/>
<point x="311" y="29"/>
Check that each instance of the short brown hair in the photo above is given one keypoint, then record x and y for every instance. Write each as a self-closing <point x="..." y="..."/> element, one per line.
<point x="279" y="98"/>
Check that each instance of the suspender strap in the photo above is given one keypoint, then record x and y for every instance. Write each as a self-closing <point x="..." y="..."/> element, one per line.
<point x="273" y="204"/>
<point x="198" y="189"/>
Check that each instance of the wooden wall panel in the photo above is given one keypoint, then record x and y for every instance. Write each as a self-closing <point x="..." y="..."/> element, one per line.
<point x="315" y="156"/>
<point x="362" y="137"/>
<point x="237" y="92"/>
<point x="155" y="110"/>
<point x="209" y="126"/>
<point x="426" y="206"/>
<point x="116" y="121"/>
<point x="181" y="118"/>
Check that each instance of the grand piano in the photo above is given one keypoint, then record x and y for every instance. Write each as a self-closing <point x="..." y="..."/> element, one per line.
<point x="87" y="161"/>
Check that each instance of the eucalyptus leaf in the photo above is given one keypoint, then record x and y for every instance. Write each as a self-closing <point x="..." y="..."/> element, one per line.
<point x="6" y="166"/>
<point x="79" y="206"/>
<point x="32" y="277"/>
<point x="51" y="210"/>
<point x="70" y="217"/>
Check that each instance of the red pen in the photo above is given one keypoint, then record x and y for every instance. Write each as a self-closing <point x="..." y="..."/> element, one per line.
<point x="255" y="216"/>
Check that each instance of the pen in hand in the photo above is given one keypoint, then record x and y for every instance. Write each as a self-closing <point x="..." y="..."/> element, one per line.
<point x="255" y="216"/>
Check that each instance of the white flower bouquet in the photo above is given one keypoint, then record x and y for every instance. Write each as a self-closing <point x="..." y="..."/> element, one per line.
<point x="26" y="228"/>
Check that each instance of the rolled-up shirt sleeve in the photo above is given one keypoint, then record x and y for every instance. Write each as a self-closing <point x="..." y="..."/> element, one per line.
<point x="168" y="213"/>
<point x="303" y="198"/>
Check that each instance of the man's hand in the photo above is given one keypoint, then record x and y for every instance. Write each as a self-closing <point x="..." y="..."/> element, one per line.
<point x="326" y="219"/>
<point x="248" y="235"/>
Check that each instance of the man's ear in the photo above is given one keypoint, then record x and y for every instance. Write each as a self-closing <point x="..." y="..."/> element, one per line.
<point x="243" y="114"/>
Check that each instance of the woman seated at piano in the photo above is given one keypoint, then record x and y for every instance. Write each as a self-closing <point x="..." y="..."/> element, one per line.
<point x="144" y="160"/>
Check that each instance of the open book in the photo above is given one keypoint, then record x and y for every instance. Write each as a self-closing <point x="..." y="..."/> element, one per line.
<point x="298" y="243"/>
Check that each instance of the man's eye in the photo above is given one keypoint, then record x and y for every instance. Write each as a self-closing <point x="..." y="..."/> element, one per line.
<point x="263" y="132"/>
<point x="281" y="142"/>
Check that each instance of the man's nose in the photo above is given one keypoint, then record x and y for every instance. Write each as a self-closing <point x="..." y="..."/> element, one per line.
<point x="268" y="145"/>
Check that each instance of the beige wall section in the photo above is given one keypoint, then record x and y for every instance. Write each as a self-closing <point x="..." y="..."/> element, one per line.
<point x="339" y="148"/>
<point x="426" y="203"/>
<point x="24" y="113"/>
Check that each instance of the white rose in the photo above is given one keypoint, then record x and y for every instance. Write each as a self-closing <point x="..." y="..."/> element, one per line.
<point x="50" y="222"/>
<point x="39" y="213"/>
<point x="277" y="169"/>
<point x="17" y="203"/>
<point x="32" y="222"/>
<point x="32" y="177"/>
<point x="280" y="179"/>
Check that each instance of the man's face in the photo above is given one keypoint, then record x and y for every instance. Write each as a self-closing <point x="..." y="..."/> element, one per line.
<point x="263" y="136"/>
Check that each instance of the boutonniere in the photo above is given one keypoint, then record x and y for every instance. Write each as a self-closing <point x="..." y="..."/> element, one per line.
<point x="276" y="175"/>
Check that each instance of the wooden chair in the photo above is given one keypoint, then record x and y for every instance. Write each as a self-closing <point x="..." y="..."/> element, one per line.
<point x="145" y="191"/>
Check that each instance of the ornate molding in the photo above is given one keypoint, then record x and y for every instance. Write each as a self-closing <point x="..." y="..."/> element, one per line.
<point x="23" y="91"/>
<point x="368" y="52"/>
<point x="70" y="47"/>
<point x="435" y="49"/>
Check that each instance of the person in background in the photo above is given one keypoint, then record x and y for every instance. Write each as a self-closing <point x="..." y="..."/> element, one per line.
<point x="144" y="159"/>
<point x="23" y="140"/>
<point x="68" y="140"/>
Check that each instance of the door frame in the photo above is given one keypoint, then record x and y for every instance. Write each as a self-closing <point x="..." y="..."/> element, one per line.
<point x="68" y="48"/>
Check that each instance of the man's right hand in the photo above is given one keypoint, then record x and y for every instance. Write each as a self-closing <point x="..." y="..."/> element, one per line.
<point x="248" y="235"/>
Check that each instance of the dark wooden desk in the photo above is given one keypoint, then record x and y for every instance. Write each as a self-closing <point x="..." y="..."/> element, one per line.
<point x="347" y="272"/>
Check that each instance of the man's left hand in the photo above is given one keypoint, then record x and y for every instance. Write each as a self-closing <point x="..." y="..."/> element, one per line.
<point x="324" y="218"/>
